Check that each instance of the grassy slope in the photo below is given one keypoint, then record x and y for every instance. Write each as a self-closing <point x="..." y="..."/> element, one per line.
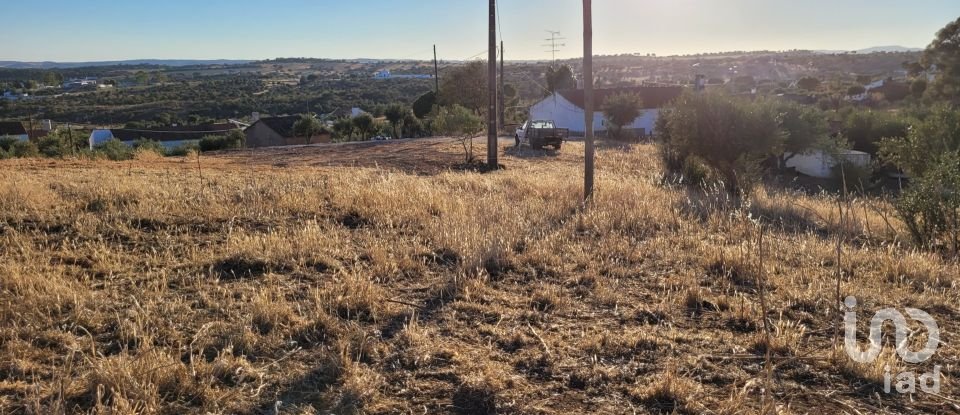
<point x="137" y="287"/>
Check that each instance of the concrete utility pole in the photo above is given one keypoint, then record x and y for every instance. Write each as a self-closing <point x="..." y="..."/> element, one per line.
<point x="588" y="100"/>
<point x="436" y="71"/>
<point x="502" y="101"/>
<point x="492" y="148"/>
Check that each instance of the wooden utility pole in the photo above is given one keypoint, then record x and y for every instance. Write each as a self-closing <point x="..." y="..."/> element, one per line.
<point x="436" y="71"/>
<point x="502" y="97"/>
<point x="588" y="100"/>
<point x="492" y="148"/>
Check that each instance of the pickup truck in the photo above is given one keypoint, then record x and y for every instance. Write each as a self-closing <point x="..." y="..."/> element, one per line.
<point x="539" y="134"/>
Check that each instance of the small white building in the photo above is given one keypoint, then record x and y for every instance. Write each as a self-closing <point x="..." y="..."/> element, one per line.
<point x="819" y="164"/>
<point x="565" y="108"/>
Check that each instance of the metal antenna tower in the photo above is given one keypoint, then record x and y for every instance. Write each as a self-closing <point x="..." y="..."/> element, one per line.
<point x="554" y="44"/>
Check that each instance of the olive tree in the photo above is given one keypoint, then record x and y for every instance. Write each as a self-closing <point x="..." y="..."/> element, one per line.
<point x="731" y="136"/>
<point x="621" y="110"/>
<point x="460" y="123"/>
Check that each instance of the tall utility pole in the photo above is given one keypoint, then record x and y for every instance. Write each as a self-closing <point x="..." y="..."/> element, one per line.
<point x="436" y="70"/>
<point x="492" y="148"/>
<point x="588" y="100"/>
<point x="554" y="45"/>
<point x="502" y="96"/>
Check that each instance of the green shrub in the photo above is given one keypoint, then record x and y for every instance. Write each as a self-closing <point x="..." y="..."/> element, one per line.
<point x="53" y="146"/>
<point x="931" y="206"/>
<point x="4" y="154"/>
<point x="24" y="149"/>
<point x="183" y="150"/>
<point x="115" y="150"/>
<point x="7" y="142"/>
<point x="149" y="145"/>
<point x="730" y="135"/>
<point x="695" y="172"/>
<point x="216" y="143"/>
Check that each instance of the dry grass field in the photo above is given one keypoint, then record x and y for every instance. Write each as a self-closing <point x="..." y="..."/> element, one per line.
<point x="375" y="279"/>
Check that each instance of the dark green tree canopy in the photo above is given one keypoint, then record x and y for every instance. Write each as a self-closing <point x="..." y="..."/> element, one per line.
<point x="944" y="53"/>
<point x="395" y="114"/>
<point x="466" y="86"/>
<point x="560" y="78"/>
<point x="424" y="104"/>
<point x="621" y="110"/>
<point x="808" y="83"/>
<point x="307" y="127"/>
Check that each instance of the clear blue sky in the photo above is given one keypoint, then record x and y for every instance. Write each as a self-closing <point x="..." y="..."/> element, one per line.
<point x="64" y="30"/>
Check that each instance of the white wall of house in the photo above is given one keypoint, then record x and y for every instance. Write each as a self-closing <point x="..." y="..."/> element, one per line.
<point x="820" y="164"/>
<point x="98" y="137"/>
<point x="567" y="115"/>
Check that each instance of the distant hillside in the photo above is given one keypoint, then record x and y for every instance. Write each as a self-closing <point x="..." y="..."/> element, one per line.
<point x="875" y="49"/>
<point x="161" y="62"/>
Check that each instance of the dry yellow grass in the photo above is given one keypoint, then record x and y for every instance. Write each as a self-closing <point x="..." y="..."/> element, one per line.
<point x="286" y="284"/>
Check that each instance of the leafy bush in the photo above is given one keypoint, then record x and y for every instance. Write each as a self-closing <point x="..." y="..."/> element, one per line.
<point x="461" y="123"/>
<point x="865" y="129"/>
<point x="695" y="172"/>
<point x="621" y="110"/>
<point x="226" y="142"/>
<point x="731" y="136"/>
<point x="922" y="145"/>
<point x="143" y="145"/>
<point x="24" y="149"/>
<point x="53" y="146"/>
<point x="183" y="150"/>
<point x="931" y="206"/>
<point x="7" y="142"/>
<point x="115" y="150"/>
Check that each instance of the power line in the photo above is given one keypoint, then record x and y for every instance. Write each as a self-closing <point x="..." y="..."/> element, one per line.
<point x="554" y="45"/>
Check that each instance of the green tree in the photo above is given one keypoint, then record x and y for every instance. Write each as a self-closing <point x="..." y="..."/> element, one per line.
<point x="729" y="135"/>
<point x="865" y="129"/>
<point x="141" y="77"/>
<point x="424" y="104"/>
<point x="808" y="83"/>
<point x="560" y="78"/>
<point x="395" y="114"/>
<point x="307" y="127"/>
<point x="621" y="110"/>
<point x="364" y="124"/>
<point x="930" y="207"/>
<point x="343" y="128"/>
<point x="803" y="127"/>
<point x="924" y="143"/>
<point x="460" y="123"/>
<point x="944" y="52"/>
<point x="918" y="88"/>
<point x="466" y="86"/>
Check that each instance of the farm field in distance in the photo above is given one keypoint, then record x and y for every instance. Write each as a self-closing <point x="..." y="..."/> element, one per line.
<point x="380" y="278"/>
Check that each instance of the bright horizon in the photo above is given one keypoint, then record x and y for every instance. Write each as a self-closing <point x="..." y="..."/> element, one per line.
<point x="107" y="30"/>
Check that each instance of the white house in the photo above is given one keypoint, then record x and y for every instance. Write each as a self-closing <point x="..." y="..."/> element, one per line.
<point x="820" y="164"/>
<point x="565" y="108"/>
